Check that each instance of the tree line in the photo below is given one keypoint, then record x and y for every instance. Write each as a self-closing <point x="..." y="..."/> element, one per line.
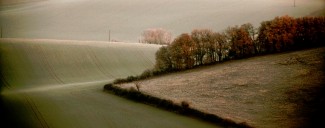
<point x="203" y="46"/>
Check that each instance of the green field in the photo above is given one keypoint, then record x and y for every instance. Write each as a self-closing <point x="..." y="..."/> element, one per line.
<point x="52" y="83"/>
<point x="53" y="62"/>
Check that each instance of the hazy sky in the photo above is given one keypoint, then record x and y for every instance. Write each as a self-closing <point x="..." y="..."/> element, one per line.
<point x="126" y="19"/>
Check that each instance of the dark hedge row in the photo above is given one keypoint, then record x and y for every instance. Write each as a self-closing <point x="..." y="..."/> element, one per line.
<point x="183" y="108"/>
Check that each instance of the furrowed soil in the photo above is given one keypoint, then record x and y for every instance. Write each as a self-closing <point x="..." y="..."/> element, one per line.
<point x="280" y="90"/>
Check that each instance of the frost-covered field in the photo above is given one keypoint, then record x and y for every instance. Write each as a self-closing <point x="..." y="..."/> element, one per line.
<point x="126" y="19"/>
<point x="273" y="91"/>
<point x="59" y="84"/>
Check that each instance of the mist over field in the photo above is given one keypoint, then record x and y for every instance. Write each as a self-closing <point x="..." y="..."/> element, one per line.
<point x="127" y="19"/>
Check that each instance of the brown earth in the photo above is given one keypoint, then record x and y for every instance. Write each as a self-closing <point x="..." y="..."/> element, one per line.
<point x="281" y="90"/>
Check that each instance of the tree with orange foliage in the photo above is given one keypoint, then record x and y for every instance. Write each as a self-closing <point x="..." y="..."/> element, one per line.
<point x="241" y="42"/>
<point x="310" y="31"/>
<point x="252" y="45"/>
<point x="204" y="46"/>
<point x="278" y="34"/>
<point x="182" y="52"/>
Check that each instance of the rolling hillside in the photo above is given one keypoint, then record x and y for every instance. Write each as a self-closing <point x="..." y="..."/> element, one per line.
<point x="53" y="83"/>
<point x="53" y="75"/>
<point x="54" y="62"/>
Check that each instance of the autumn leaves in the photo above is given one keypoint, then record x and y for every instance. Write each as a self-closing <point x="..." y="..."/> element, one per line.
<point x="203" y="46"/>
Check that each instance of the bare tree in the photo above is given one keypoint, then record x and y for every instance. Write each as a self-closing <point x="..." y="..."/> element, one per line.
<point x="202" y="39"/>
<point x="156" y="36"/>
<point x="222" y="46"/>
<point x="137" y="85"/>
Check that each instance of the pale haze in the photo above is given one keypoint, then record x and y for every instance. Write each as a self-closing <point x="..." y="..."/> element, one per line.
<point x="127" y="19"/>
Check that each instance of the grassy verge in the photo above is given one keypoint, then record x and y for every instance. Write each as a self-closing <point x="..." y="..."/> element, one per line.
<point x="183" y="108"/>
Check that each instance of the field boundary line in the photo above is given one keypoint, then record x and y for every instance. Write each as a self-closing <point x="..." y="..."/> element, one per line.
<point x="36" y="112"/>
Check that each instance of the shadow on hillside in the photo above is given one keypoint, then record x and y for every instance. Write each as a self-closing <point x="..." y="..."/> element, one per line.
<point x="309" y="106"/>
<point x="308" y="99"/>
<point x="11" y="114"/>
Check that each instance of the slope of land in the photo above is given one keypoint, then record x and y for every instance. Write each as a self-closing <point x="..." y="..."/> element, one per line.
<point x="15" y="2"/>
<point x="281" y="90"/>
<point x="58" y="62"/>
<point x="58" y="83"/>
<point x="127" y="19"/>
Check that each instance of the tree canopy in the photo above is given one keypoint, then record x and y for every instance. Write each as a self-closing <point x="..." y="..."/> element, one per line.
<point x="203" y="46"/>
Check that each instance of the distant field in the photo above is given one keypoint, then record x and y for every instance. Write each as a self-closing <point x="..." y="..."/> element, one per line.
<point x="281" y="90"/>
<point x="127" y="19"/>
<point x="57" y="62"/>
